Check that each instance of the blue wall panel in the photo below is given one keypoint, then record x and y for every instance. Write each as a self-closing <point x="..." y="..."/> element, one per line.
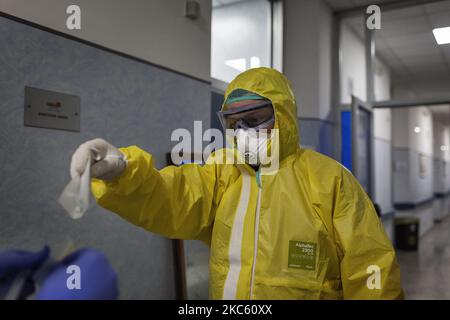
<point x="346" y="144"/>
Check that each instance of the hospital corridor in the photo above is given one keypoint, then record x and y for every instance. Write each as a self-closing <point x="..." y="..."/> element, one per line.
<point x="250" y="151"/>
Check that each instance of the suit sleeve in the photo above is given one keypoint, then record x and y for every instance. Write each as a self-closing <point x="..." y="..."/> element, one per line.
<point x="177" y="202"/>
<point x="369" y="269"/>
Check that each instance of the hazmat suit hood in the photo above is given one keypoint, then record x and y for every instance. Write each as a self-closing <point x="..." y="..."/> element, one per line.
<point x="273" y="85"/>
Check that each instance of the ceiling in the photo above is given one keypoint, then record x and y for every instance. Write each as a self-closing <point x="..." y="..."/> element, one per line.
<point x="339" y="5"/>
<point x="405" y="43"/>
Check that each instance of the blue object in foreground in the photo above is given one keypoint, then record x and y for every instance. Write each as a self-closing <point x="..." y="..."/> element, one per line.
<point x="13" y="261"/>
<point x="15" y="264"/>
<point x="84" y="275"/>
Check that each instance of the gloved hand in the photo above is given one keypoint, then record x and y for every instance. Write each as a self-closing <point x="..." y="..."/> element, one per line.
<point x="97" y="279"/>
<point x="107" y="162"/>
<point x="12" y="261"/>
<point x="15" y="262"/>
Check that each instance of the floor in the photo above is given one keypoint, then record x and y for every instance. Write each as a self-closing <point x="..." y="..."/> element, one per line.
<point x="426" y="272"/>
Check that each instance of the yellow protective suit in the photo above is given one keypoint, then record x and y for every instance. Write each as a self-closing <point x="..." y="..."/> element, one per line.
<point x="307" y="232"/>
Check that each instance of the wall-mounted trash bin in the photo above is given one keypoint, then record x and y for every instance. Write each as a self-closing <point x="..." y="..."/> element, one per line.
<point x="407" y="233"/>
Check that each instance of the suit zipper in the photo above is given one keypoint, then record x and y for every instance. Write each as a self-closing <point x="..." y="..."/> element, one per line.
<point x="255" y="245"/>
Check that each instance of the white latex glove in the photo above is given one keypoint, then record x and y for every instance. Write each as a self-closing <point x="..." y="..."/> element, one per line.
<point x="107" y="162"/>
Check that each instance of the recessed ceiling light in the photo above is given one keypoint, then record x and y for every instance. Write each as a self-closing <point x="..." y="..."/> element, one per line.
<point x="442" y="35"/>
<point x="417" y="129"/>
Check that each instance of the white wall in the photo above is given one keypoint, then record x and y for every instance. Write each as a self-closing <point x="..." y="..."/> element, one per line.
<point x="441" y="156"/>
<point x="423" y="141"/>
<point x="400" y="128"/>
<point x="383" y="175"/>
<point x="325" y="58"/>
<point x="413" y="163"/>
<point x="353" y="66"/>
<point x="441" y="136"/>
<point x="382" y="88"/>
<point x="441" y="208"/>
<point x="383" y="159"/>
<point x="382" y="124"/>
<point x="155" y="30"/>
<point x="353" y="70"/>
<point x="307" y="55"/>
<point x="382" y="81"/>
<point x="405" y="120"/>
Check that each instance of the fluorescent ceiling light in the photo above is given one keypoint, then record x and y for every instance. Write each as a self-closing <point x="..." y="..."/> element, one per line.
<point x="442" y="35"/>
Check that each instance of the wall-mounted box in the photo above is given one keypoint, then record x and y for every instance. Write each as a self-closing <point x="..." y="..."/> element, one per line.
<point x="52" y="110"/>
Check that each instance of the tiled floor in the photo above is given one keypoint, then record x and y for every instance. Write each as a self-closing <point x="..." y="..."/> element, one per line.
<point x="426" y="273"/>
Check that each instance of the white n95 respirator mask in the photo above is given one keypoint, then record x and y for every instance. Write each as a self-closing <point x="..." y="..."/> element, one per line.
<point x="254" y="146"/>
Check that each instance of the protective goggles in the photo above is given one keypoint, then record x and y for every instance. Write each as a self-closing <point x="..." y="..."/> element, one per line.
<point x="256" y="116"/>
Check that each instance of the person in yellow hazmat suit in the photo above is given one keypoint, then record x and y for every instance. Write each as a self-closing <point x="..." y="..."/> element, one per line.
<point x="306" y="231"/>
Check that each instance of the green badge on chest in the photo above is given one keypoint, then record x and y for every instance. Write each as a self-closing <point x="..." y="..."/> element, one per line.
<point x="302" y="255"/>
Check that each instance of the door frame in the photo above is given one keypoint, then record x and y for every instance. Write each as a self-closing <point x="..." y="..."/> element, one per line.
<point x="356" y="106"/>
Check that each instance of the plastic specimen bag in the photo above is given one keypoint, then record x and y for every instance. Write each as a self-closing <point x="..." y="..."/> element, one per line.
<point x="75" y="196"/>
